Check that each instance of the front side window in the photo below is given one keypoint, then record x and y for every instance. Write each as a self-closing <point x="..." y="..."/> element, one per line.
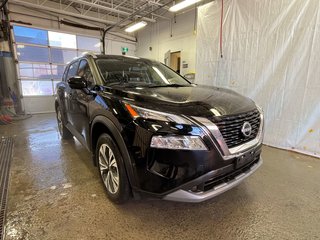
<point x="85" y="72"/>
<point x="64" y="76"/>
<point x="73" y="70"/>
<point x="138" y="72"/>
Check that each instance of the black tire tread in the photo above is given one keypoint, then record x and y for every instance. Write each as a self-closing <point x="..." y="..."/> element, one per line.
<point x="66" y="134"/>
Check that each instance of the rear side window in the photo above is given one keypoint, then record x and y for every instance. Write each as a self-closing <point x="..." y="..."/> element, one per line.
<point x="73" y="70"/>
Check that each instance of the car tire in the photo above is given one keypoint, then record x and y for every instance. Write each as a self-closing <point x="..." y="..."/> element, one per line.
<point x="111" y="169"/>
<point x="64" y="132"/>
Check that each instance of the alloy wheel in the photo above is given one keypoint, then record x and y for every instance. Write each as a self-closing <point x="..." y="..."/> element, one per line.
<point x="108" y="168"/>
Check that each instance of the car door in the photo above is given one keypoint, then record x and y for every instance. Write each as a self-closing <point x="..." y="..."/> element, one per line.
<point x="69" y="92"/>
<point x="79" y="100"/>
<point x="62" y="94"/>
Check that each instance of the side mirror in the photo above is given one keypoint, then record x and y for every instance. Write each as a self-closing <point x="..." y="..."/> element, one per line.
<point x="77" y="82"/>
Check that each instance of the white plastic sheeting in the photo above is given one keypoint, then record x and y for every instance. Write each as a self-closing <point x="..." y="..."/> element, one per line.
<point x="271" y="53"/>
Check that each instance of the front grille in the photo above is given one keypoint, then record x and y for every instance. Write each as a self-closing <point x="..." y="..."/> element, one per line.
<point x="230" y="127"/>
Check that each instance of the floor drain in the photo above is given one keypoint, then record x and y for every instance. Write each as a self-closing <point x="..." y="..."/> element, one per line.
<point x="6" y="146"/>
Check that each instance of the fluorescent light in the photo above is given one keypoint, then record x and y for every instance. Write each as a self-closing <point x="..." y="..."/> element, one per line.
<point x="183" y="4"/>
<point x="136" y="26"/>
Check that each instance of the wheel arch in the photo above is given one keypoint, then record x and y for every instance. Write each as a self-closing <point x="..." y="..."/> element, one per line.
<point x="56" y="104"/>
<point x="102" y="124"/>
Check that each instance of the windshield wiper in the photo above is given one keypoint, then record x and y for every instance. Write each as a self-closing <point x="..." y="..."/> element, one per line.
<point x="168" y="85"/>
<point x="124" y="85"/>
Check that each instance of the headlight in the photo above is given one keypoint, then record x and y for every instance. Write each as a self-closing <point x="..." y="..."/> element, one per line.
<point x="178" y="142"/>
<point x="136" y="112"/>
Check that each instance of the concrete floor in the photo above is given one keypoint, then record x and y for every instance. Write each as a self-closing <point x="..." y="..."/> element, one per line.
<point x="55" y="193"/>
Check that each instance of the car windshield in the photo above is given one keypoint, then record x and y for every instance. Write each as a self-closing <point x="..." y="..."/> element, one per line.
<point x="136" y="72"/>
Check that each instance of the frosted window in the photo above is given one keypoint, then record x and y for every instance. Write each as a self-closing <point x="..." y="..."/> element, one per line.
<point x="62" y="55"/>
<point x="57" y="71"/>
<point x="30" y="35"/>
<point x="34" y="70"/>
<point x="89" y="43"/>
<point x="26" y="70"/>
<point x="36" y="88"/>
<point x="32" y="54"/>
<point x="62" y="40"/>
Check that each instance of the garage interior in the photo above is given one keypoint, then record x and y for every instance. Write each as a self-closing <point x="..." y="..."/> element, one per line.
<point x="266" y="50"/>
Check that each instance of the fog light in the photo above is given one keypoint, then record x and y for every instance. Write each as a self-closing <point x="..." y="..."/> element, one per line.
<point x="178" y="142"/>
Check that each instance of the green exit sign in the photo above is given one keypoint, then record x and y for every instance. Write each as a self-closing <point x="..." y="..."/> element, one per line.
<point x="124" y="49"/>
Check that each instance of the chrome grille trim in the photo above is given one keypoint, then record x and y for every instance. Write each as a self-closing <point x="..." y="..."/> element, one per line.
<point x="230" y="127"/>
<point x="227" y="153"/>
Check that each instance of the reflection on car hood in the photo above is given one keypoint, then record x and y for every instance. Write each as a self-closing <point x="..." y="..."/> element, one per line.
<point x="192" y="101"/>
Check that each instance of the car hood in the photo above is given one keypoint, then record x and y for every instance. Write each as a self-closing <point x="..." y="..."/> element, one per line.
<point x="196" y="100"/>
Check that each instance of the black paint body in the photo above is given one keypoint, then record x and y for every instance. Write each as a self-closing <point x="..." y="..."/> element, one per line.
<point x="152" y="171"/>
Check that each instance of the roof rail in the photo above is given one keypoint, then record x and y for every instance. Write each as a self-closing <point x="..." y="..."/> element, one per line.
<point x="92" y="54"/>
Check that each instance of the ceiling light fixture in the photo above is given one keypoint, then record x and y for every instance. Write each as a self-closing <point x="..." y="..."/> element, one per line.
<point x="182" y="5"/>
<point x="136" y="26"/>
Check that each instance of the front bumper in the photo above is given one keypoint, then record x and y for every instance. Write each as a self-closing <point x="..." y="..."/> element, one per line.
<point x="182" y="195"/>
<point x="191" y="176"/>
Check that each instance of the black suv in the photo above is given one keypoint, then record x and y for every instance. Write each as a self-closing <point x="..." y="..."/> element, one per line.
<point x="154" y="134"/>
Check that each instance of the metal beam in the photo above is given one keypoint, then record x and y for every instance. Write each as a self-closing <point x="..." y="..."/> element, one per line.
<point x="43" y="2"/>
<point x="77" y="15"/>
<point x="129" y="10"/>
<point x="108" y="9"/>
<point x="89" y="8"/>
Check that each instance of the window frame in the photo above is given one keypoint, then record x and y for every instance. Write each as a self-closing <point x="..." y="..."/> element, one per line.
<point x="23" y="26"/>
<point x="53" y="79"/>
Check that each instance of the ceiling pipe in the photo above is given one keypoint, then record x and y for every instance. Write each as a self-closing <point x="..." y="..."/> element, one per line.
<point x="123" y="20"/>
<point x="79" y="25"/>
<point x="119" y="24"/>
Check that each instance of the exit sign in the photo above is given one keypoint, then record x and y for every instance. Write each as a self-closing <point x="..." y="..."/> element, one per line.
<point x="124" y="49"/>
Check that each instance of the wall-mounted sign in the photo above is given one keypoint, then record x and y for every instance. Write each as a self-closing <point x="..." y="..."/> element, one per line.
<point x="124" y="49"/>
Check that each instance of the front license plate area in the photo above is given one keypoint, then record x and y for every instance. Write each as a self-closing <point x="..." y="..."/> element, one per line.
<point x="244" y="159"/>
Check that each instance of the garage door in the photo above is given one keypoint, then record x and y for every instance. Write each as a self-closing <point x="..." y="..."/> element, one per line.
<point x="41" y="57"/>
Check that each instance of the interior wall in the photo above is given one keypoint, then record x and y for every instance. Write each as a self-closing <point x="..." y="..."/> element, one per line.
<point x="176" y="34"/>
<point x="271" y="54"/>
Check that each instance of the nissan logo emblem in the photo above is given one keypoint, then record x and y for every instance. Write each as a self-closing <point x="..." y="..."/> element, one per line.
<point x="246" y="129"/>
